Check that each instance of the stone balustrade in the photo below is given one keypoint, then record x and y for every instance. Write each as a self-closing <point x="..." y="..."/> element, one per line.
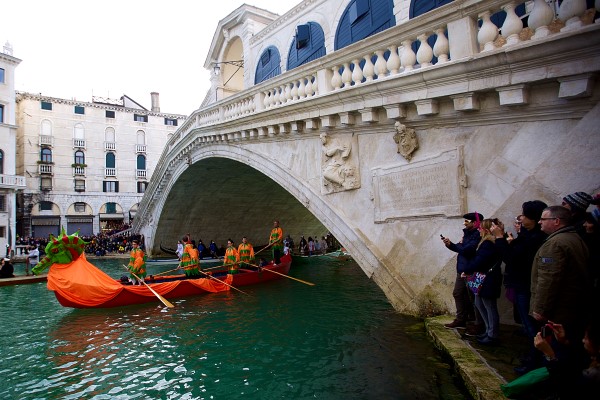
<point x="12" y="181"/>
<point x="391" y="53"/>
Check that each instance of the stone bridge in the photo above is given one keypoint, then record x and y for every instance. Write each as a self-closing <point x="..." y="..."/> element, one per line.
<point x="389" y="153"/>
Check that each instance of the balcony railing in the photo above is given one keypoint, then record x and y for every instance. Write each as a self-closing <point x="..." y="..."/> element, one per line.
<point x="79" y="171"/>
<point x="110" y="146"/>
<point x="140" y="148"/>
<point x="110" y="172"/>
<point x="140" y="173"/>
<point x="79" y="143"/>
<point x="46" y="140"/>
<point x="12" y="182"/>
<point x="46" y="169"/>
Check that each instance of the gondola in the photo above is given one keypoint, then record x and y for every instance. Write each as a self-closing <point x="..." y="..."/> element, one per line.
<point x="168" y="250"/>
<point x="79" y="284"/>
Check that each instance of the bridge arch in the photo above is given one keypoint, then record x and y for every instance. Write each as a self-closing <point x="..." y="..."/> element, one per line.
<point x="200" y="202"/>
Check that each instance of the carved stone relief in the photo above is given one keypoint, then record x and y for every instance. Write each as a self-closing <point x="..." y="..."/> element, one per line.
<point x="339" y="167"/>
<point x="407" y="140"/>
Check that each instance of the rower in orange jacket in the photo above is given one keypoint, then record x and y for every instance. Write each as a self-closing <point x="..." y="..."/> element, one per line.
<point x="232" y="257"/>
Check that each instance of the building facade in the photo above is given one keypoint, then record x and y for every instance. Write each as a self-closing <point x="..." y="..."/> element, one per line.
<point x="10" y="182"/>
<point x="87" y="163"/>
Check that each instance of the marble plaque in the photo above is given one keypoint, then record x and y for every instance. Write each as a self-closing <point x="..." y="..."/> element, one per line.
<point x="432" y="187"/>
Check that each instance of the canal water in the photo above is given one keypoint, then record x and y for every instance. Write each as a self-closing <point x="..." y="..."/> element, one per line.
<point x="340" y="339"/>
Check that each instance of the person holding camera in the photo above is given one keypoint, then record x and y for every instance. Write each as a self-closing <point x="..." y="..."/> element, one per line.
<point x="574" y="370"/>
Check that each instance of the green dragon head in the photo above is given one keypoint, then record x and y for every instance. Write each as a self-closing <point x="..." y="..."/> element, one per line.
<point x="61" y="250"/>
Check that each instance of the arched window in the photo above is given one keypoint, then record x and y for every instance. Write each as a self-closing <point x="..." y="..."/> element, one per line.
<point x="363" y="18"/>
<point x="79" y="157"/>
<point x="110" y="160"/>
<point x="109" y="134"/>
<point x="141" y="162"/>
<point x="141" y="137"/>
<point x="269" y="65"/>
<point x="419" y="7"/>
<point x="308" y="45"/>
<point x="46" y="155"/>
<point x="1" y="162"/>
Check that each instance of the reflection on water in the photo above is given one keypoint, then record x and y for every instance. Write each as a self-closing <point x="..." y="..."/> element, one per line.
<point x="337" y="340"/>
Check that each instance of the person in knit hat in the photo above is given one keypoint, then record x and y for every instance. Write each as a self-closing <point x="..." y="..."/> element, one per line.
<point x="577" y="203"/>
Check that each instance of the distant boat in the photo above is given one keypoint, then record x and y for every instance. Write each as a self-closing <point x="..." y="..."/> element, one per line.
<point x="80" y="284"/>
<point x="168" y="250"/>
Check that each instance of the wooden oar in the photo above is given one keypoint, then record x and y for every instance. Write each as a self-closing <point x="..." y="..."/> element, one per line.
<point x="166" y="272"/>
<point x="224" y="283"/>
<point x="279" y="273"/>
<point x="264" y="248"/>
<point x="164" y="301"/>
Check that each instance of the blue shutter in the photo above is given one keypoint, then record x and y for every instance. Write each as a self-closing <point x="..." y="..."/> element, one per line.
<point x="363" y="18"/>
<point x="313" y="50"/>
<point x="269" y="65"/>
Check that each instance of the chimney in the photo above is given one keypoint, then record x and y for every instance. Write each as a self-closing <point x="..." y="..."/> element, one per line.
<point x="155" y="105"/>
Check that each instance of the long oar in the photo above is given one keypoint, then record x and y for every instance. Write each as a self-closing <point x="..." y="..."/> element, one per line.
<point x="264" y="248"/>
<point x="166" y="272"/>
<point x="224" y="283"/>
<point x="279" y="273"/>
<point x="164" y="301"/>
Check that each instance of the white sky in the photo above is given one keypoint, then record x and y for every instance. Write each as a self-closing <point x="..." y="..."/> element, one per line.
<point x="107" y="48"/>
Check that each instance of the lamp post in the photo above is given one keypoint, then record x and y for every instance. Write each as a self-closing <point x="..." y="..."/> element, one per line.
<point x="217" y="71"/>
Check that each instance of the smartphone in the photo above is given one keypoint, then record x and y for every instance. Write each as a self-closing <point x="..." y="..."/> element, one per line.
<point x="442" y="236"/>
<point x="547" y="331"/>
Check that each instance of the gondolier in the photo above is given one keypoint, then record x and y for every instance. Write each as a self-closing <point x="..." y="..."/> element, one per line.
<point x="276" y="241"/>
<point x="137" y="263"/>
<point x="189" y="259"/>
<point x="246" y="251"/>
<point x="33" y="257"/>
<point x="232" y="257"/>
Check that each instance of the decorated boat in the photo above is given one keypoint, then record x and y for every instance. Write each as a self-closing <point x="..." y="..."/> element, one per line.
<point x="79" y="284"/>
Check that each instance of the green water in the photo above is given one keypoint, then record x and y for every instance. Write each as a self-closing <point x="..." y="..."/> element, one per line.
<point x="339" y="339"/>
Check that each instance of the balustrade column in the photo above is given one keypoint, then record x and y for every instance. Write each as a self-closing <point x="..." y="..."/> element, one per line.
<point x="380" y="64"/>
<point x="512" y="25"/>
<point x="487" y="33"/>
<point x="425" y="53"/>
<point x="539" y="18"/>
<point x="393" y="62"/>
<point x="570" y="12"/>
<point x="408" y="57"/>
<point x="440" y="48"/>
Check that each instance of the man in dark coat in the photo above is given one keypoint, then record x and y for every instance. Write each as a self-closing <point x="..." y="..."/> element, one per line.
<point x="559" y="279"/>
<point x="466" y="250"/>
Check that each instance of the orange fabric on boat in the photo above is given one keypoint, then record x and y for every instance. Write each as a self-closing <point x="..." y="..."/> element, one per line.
<point x="82" y="283"/>
<point x="211" y="285"/>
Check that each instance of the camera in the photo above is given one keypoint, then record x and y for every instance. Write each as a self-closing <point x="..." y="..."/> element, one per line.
<point x="547" y="331"/>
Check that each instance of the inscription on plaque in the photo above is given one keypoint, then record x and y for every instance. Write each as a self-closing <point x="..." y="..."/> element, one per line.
<point x="425" y="188"/>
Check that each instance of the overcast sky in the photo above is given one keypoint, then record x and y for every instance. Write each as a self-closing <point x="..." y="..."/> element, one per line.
<point x="76" y="49"/>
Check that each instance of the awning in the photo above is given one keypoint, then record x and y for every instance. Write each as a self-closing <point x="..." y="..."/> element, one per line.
<point x="111" y="216"/>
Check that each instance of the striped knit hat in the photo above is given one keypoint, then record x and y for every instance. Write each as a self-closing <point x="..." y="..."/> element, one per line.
<point x="578" y="200"/>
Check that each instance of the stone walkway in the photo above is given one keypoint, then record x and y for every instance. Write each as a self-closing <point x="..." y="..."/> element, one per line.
<point x="482" y="368"/>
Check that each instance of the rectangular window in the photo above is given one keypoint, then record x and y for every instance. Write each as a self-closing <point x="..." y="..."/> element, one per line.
<point x="2" y="75"/>
<point x="79" y="110"/>
<point x="141" y="186"/>
<point x="46" y="184"/>
<point x="2" y="231"/>
<point x="140" y="118"/>
<point x="79" y="185"/>
<point x="2" y="203"/>
<point x="46" y="105"/>
<point x="79" y="207"/>
<point x="110" y="186"/>
<point x="110" y="114"/>
<point x="358" y="9"/>
<point x="45" y="206"/>
<point x="170" y="121"/>
<point x="1" y="113"/>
